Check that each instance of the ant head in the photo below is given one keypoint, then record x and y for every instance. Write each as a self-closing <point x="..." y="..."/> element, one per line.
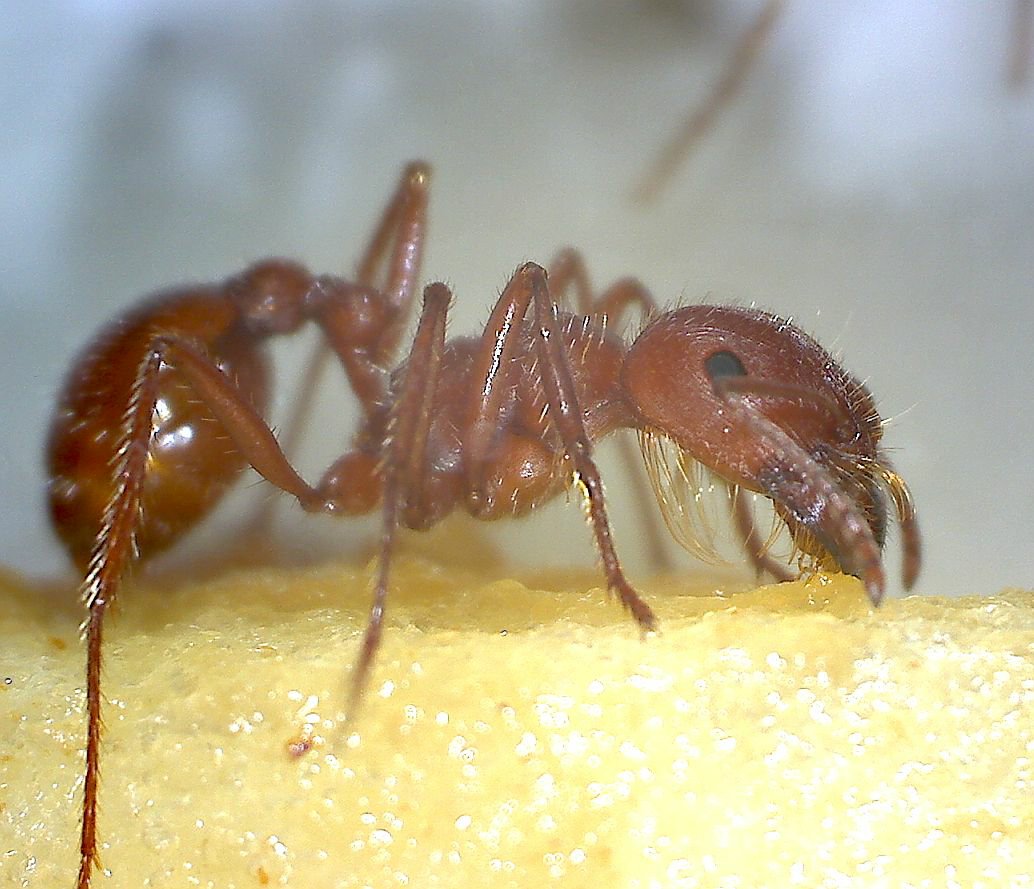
<point x="688" y="370"/>
<point x="270" y="295"/>
<point x="761" y="405"/>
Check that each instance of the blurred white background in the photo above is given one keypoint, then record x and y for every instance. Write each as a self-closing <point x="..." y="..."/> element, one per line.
<point x="874" y="181"/>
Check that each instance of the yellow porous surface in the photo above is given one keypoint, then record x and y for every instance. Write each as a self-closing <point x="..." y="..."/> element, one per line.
<point x="523" y="734"/>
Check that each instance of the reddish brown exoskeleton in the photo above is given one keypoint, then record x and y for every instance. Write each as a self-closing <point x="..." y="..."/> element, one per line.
<point x="165" y="407"/>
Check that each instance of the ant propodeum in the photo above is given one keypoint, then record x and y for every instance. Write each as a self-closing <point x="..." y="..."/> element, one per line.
<point x="164" y="408"/>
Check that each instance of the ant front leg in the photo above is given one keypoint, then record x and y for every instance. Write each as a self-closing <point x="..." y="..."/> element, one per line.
<point x="493" y="453"/>
<point x="609" y="307"/>
<point x="567" y="415"/>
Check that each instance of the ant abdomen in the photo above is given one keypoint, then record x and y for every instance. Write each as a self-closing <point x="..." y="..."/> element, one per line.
<point x="191" y="459"/>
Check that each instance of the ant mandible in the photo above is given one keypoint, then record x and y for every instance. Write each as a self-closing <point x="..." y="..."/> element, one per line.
<point x="165" y="408"/>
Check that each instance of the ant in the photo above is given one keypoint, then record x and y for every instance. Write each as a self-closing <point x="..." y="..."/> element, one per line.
<point x="164" y="408"/>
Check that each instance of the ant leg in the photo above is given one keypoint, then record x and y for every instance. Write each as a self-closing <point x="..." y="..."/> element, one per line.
<point x="405" y="467"/>
<point x="400" y="234"/>
<point x="399" y="237"/>
<point x="115" y="546"/>
<point x="249" y="432"/>
<point x="258" y="528"/>
<point x="567" y="269"/>
<point x="566" y="415"/>
<point x="399" y="241"/>
<point x="494" y="367"/>
<point x="114" y="549"/>
<point x="754" y="545"/>
<point x="702" y="120"/>
<point x="495" y="370"/>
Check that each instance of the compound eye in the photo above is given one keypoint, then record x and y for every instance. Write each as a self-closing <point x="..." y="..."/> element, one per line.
<point x="724" y="364"/>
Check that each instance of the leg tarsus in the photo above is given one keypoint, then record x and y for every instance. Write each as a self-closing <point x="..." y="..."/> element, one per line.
<point x="89" y="859"/>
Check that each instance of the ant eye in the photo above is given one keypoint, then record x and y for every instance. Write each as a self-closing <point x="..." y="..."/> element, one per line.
<point x="724" y="364"/>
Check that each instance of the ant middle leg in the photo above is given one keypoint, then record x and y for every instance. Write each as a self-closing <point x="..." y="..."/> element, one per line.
<point x="568" y="270"/>
<point x="390" y="265"/>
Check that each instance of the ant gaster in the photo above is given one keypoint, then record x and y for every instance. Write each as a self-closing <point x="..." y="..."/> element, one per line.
<point x="165" y="407"/>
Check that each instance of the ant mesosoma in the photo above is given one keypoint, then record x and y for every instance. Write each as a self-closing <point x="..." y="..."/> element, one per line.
<point x="165" y="408"/>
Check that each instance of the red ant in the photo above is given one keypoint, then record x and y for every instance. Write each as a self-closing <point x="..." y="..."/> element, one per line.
<point x="164" y="408"/>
